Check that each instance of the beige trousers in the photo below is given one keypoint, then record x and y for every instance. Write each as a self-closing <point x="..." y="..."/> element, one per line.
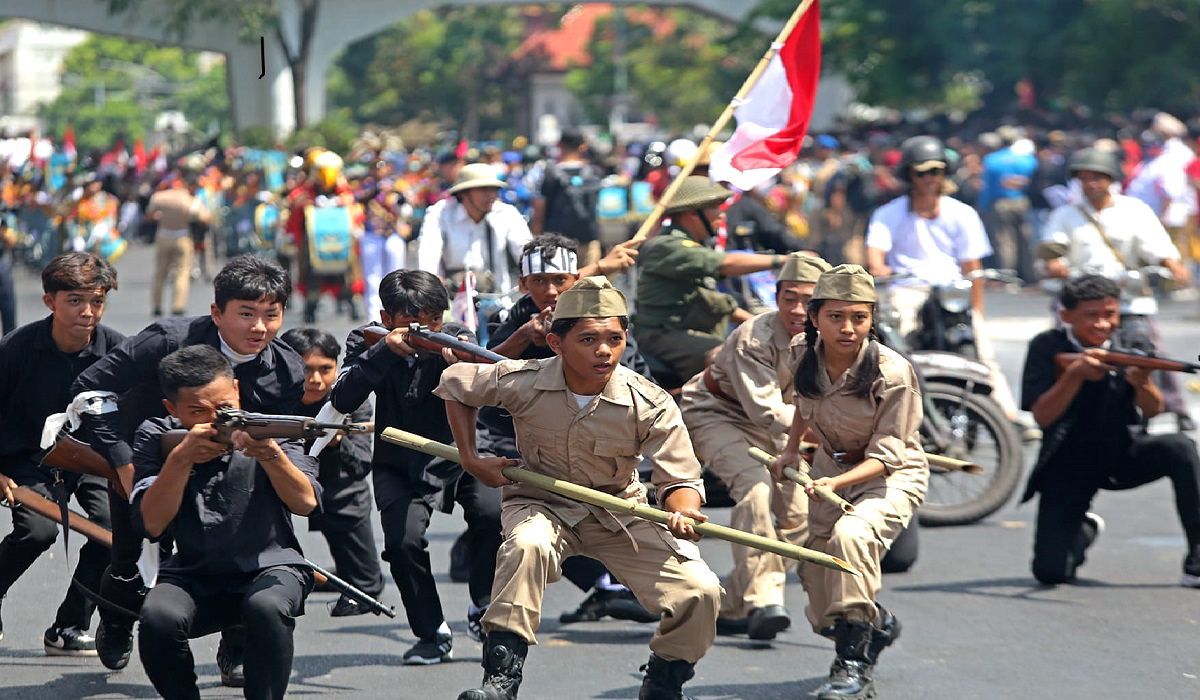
<point x="172" y="258"/>
<point x="684" y="591"/>
<point x="861" y="538"/>
<point x="762" y="506"/>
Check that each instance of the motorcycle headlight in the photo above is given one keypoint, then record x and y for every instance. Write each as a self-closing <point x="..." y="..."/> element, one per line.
<point x="956" y="297"/>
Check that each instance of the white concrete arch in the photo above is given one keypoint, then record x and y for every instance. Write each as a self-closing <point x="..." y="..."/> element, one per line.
<point x="268" y="101"/>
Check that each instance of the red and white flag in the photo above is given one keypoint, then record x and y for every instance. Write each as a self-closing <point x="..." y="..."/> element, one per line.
<point x="773" y="118"/>
<point x="462" y="308"/>
<point x="69" y="142"/>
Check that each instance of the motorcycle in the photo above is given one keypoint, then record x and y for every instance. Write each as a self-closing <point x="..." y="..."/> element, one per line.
<point x="961" y="416"/>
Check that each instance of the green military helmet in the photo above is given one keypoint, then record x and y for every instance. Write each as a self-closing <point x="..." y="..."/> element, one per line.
<point x="697" y="192"/>
<point x="1095" y="160"/>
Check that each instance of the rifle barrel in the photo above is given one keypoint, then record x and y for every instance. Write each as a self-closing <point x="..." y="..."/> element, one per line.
<point x="623" y="505"/>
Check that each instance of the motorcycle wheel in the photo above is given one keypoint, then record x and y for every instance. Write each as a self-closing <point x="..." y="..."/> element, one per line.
<point x="982" y="434"/>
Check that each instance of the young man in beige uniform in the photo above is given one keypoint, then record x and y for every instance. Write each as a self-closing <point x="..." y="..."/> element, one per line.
<point x="742" y="400"/>
<point x="582" y="417"/>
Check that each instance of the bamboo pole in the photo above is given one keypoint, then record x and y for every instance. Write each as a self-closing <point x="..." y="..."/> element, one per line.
<point x="719" y="125"/>
<point x="622" y="505"/>
<point x="763" y="457"/>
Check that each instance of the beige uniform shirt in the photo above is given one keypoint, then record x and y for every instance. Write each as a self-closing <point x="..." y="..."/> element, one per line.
<point x="886" y="424"/>
<point x="598" y="446"/>
<point x="753" y="367"/>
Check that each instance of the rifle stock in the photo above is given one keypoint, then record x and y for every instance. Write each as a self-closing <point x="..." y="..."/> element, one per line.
<point x="71" y="455"/>
<point x="1127" y="359"/>
<point x="421" y="338"/>
<point x="46" y="508"/>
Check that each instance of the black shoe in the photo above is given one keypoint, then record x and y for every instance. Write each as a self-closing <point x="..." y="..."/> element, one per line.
<point x="427" y="652"/>
<point x="730" y="626"/>
<point x="475" y="624"/>
<point x="1191" y="572"/>
<point x="114" y="644"/>
<point x="347" y="607"/>
<point x="885" y="634"/>
<point x="68" y="641"/>
<point x="618" y="604"/>
<point x="850" y="674"/>
<point x="766" y="622"/>
<point x="229" y="663"/>
<point x="664" y="679"/>
<point x="503" y="661"/>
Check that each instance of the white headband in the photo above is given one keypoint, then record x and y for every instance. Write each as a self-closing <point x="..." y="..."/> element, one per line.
<point x="563" y="260"/>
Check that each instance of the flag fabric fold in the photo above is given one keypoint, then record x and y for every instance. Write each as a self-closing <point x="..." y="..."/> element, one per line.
<point x="774" y="116"/>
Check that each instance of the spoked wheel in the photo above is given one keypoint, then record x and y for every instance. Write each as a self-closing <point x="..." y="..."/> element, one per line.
<point x="980" y="433"/>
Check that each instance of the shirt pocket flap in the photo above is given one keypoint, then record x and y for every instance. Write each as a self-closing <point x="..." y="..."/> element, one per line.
<point x="616" y="448"/>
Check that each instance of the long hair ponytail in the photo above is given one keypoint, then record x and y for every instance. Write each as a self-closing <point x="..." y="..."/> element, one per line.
<point x="806" y="379"/>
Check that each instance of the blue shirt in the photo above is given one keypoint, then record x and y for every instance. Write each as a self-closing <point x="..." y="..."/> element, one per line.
<point x="999" y="166"/>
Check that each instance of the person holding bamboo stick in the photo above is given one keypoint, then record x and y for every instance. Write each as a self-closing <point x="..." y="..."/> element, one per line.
<point x="744" y="399"/>
<point x="582" y="417"/>
<point x="862" y="401"/>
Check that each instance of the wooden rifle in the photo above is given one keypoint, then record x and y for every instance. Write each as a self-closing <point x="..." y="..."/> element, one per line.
<point x="421" y="338"/>
<point x="1117" y="358"/>
<point x="261" y="426"/>
<point x="71" y="455"/>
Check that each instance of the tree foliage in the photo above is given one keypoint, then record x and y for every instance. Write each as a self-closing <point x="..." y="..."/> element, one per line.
<point x="1105" y="54"/>
<point x="116" y="87"/>
<point x="451" y="65"/>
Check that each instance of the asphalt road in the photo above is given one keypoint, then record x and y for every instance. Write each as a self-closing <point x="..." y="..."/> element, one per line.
<point x="976" y="624"/>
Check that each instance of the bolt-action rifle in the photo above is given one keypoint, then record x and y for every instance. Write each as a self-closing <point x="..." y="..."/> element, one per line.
<point x="420" y="338"/>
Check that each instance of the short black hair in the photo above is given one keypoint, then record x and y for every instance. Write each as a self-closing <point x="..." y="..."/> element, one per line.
<point x="305" y="340"/>
<point x="1087" y="288"/>
<point x="71" y="271"/>
<point x="248" y="278"/>
<point x="563" y="326"/>
<point x="190" y="367"/>
<point x="571" y="140"/>
<point x="411" y="292"/>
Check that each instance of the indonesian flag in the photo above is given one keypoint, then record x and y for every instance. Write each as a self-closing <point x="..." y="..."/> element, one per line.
<point x="69" y="142"/>
<point x="462" y="308"/>
<point x="774" y="116"/>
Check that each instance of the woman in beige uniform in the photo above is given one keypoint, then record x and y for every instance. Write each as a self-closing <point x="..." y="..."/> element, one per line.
<point x="862" y="402"/>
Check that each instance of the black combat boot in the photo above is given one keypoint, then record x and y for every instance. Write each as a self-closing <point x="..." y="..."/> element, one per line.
<point x="850" y="674"/>
<point x="886" y="634"/>
<point x="503" y="658"/>
<point x="664" y="679"/>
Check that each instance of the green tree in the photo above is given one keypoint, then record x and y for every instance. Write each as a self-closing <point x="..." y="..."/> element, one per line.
<point x="113" y="87"/>
<point x="451" y="65"/>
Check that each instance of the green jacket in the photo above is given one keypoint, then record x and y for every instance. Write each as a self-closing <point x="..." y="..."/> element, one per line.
<point x="677" y="285"/>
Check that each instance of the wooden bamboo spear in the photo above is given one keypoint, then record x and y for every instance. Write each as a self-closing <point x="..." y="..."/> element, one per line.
<point x="719" y="125"/>
<point x="593" y="497"/>
<point x="765" y="458"/>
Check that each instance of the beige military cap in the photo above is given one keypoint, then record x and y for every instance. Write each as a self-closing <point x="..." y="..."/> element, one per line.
<point x="803" y="268"/>
<point x="845" y="283"/>
<point x="591" y="297"/>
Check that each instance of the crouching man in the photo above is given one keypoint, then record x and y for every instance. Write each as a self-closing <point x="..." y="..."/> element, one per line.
<point x="236" y="560"/>
<point x="582" y="417"/>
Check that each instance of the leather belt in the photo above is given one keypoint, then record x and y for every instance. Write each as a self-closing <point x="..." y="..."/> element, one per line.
<point x="845" y="457"/>
<point x="710" y="383"/>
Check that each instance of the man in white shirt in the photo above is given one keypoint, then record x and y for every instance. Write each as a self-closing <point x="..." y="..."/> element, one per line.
<point x="1161" y="181"/>
<point x="471" y="230"/>
<point x="936" y="239"/>
<point x="1108" y="234"/>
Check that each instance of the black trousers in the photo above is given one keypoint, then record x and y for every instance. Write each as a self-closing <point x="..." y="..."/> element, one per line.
<point x="355" y="556"/>
<point x="122" y="584"/>
<point x="1062" y="537"/>
<point x="33" y="534"/>
<point x="266" y="604"/>
<point x="903" y="554"/>
<point x="405" y="519"/>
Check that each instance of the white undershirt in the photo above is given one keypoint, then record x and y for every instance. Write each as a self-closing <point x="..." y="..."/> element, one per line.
<point x="234" y="356"/>
<point x="582" y="399"/>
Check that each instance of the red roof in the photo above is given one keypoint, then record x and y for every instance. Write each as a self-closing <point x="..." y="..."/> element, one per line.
<point x="566" y="45"/>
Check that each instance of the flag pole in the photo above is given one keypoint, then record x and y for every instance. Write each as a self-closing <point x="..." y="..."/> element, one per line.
<point x="719" y="125"/>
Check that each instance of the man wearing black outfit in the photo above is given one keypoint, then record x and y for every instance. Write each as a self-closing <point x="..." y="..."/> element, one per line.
<point x="549" y="267"/>
<point x="236" y="560"/>
<point x="250" y="295"/>
<point x="1087" y="412"/>
<point x="38" y="363"/>
<point x="345" y="515"/>
<point x="410" y="485"/>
